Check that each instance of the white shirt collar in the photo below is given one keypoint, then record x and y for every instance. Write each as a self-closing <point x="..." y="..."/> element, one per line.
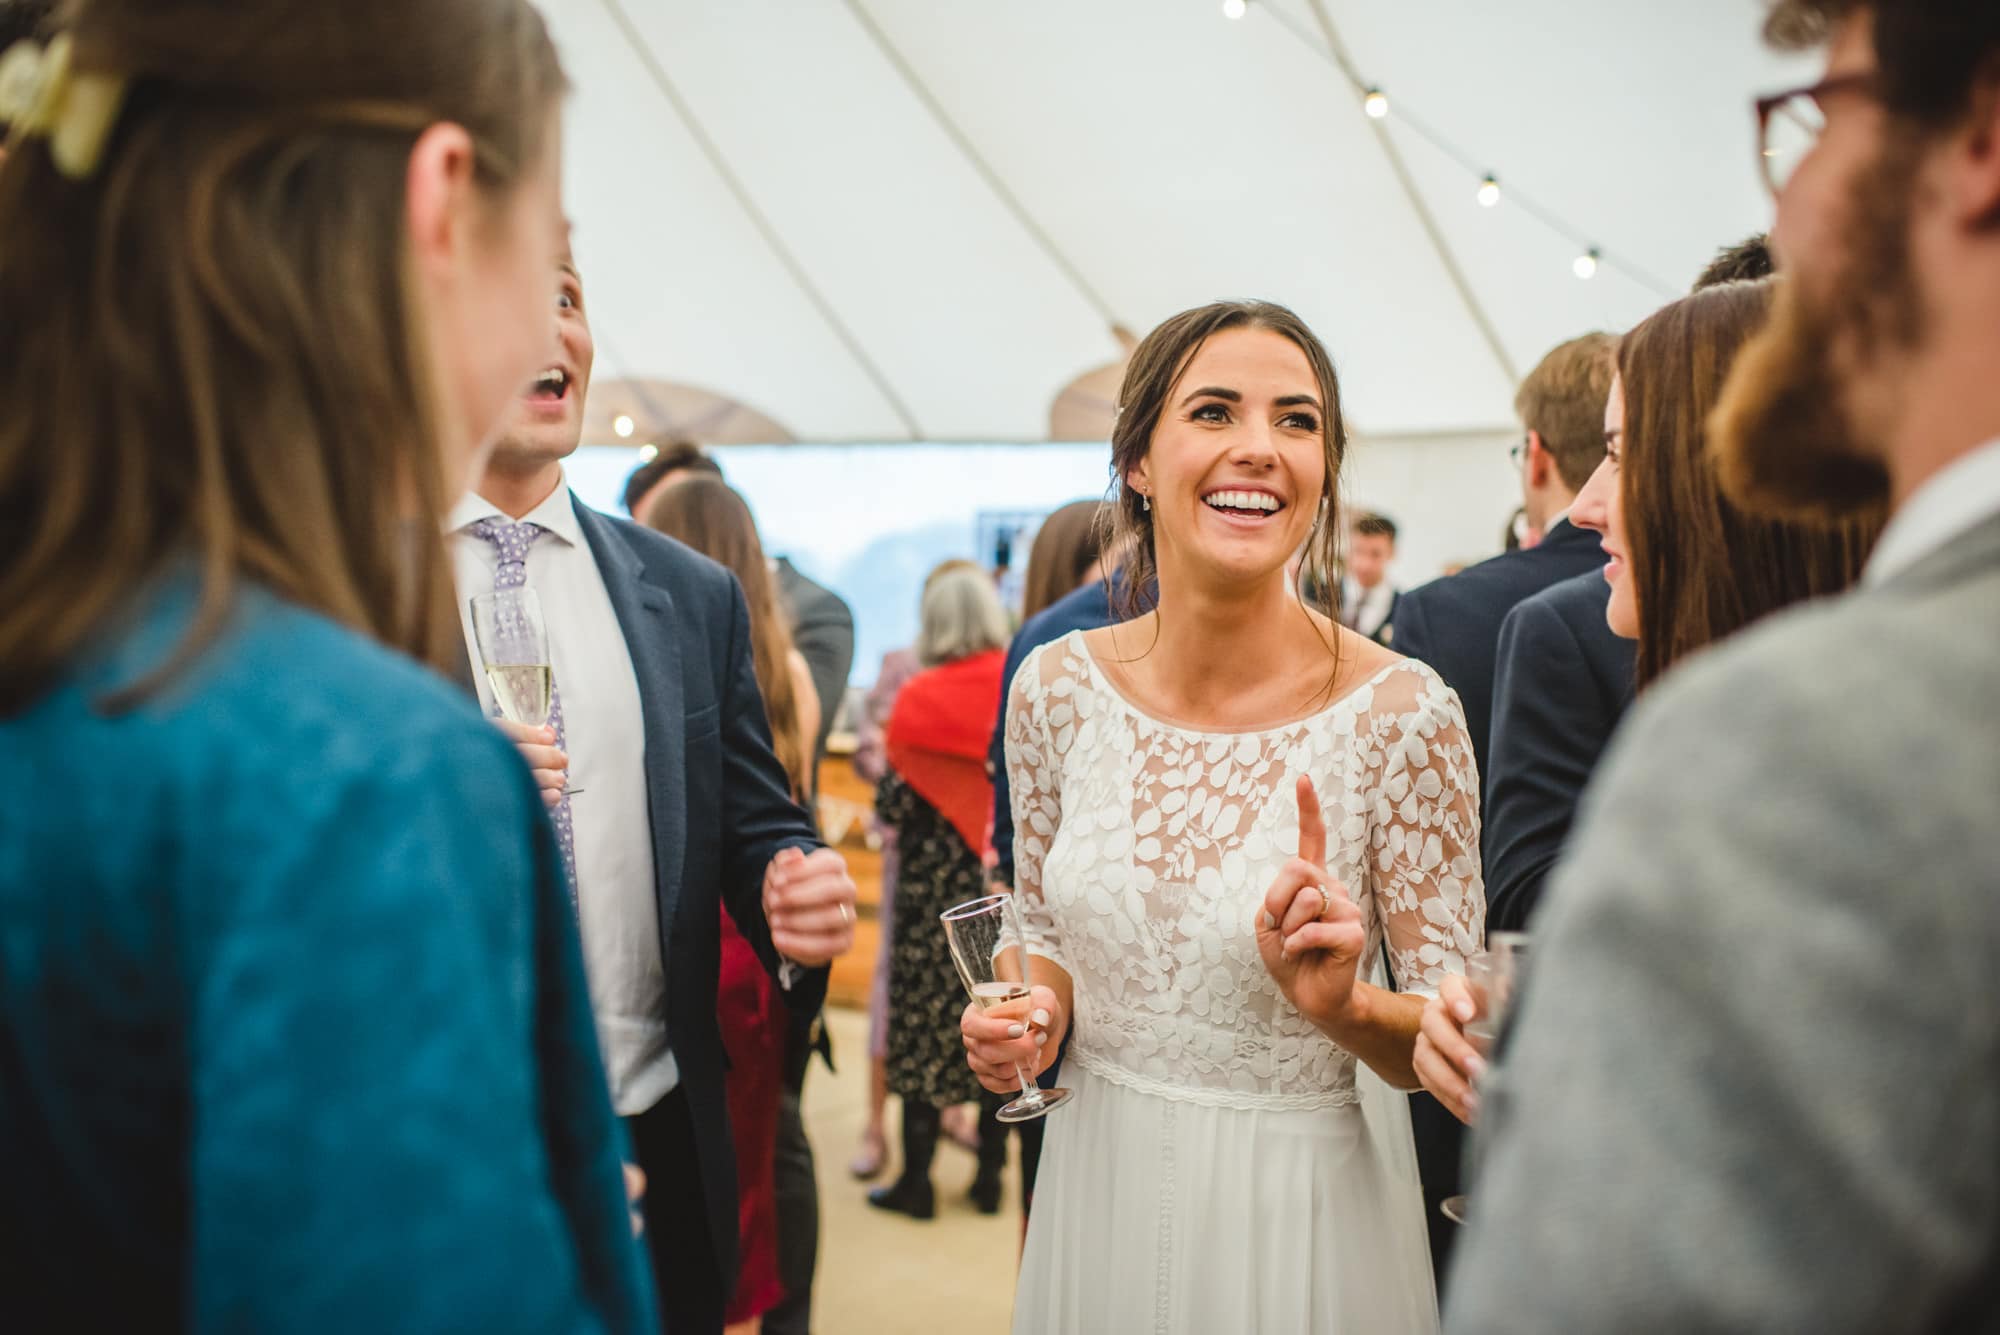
<point x="556" y="513"/>
<point x="1964" y="493"/>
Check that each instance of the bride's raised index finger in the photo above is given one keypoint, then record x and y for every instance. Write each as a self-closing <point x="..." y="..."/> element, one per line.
<point x="1312" y="829"/>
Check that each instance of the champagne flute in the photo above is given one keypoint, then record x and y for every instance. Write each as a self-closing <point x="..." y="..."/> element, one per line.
<point x="987" y="946"/>
<point x="1495" y="975"/>
<point x="514" y="651"/>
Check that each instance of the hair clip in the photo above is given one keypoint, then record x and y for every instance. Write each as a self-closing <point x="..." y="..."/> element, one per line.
<point x="41" y="98"/>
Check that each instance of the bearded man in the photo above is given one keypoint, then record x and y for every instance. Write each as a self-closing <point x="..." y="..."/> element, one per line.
<point x="1754" y="1079"/>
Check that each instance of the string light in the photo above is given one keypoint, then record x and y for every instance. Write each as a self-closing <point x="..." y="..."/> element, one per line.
<point x="623" y="425"/>
<point x="1586" y="263"/>
<point x="1489" y="191"/>
<point x="1376" y="104"/>
<point x="1235" y="9"/>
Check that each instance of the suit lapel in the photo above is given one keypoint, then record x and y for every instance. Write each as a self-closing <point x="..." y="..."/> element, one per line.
<point x="646" y="614"/>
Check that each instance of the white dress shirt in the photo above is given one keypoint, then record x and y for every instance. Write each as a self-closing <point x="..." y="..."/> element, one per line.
<point x="604" y="734"/>
<point x="1366" y="609"/>
<point x="1960" y="496"/>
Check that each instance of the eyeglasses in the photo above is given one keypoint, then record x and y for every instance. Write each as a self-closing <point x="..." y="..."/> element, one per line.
<point x="1519" y="451"/>
<point x="1789" y="123"/>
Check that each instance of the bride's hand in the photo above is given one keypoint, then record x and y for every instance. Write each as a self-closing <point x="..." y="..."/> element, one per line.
<point x="1312" y="944"/>
<point x="1448" y="1061"/>
<point x="1028" y="1031"/>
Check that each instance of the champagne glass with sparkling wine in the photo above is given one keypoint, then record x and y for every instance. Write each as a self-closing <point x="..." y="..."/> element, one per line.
<point x="514" y="652"/>
<point x="988" y="947"/>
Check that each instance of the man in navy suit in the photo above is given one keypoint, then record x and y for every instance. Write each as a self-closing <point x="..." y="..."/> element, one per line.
<point x="680" y="811"/>
<point x="1454" y="623"/>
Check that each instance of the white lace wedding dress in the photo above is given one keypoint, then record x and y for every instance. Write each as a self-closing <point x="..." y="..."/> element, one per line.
<point x="1216" y="1171"/>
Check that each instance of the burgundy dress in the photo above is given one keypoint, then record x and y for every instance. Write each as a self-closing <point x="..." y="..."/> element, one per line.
<point x="753" y="1036"/>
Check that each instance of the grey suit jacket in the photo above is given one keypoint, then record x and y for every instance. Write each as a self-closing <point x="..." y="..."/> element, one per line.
<point x="1754" y="1084"/>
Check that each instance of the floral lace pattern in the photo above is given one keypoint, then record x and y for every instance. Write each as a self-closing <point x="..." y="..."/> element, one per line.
<point x="1143" y="851"/>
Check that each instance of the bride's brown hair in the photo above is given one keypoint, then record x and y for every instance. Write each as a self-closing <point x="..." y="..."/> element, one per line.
<point x="211" y="350"/>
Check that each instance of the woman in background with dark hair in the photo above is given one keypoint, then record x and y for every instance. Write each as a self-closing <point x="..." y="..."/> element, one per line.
<point x="1223" y="809"/>
<point x="1064" y="556"/>
<point x="294" y="1033"/>
<point x="708" y="515"/>
<point x="1687" y="568"/>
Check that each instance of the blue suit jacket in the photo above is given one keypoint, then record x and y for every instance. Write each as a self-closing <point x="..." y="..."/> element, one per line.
<point x="720" y="804"/>
<point x="1453" y="623"/>
<point x="1563" y="683"/>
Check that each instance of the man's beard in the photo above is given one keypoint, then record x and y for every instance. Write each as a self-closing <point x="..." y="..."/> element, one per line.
<point x="1785" y="433"/>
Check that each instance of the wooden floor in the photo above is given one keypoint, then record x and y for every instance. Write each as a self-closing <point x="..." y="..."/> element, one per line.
<point x="883" y="1274"/>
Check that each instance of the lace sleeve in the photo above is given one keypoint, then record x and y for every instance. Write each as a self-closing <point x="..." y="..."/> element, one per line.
<point x="1040" y="706"/>
<point x="1424" y="839"/>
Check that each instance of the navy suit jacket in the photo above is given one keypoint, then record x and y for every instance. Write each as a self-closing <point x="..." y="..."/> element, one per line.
<point x="720" y="805"/>
<point x="1453" y="623"/>
<point x="1563" y="683"/>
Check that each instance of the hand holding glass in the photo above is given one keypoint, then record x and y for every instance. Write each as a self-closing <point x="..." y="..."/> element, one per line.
<point x="987" y="946"/>
<point x="514" y="652"/>
<point x="1495" y="975"/>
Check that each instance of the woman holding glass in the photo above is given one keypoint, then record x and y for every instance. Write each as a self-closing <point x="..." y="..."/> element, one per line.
<point x="938" y="799"/>
<point x="1224" y="809"/>
<point x="1686" y="567"/>
<point x="293" y="1026"/>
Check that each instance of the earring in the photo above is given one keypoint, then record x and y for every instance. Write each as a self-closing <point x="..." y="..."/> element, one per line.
<point x="1145" y="501"/>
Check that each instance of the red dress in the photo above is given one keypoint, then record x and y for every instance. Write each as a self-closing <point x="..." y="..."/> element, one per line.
<point x="753" y="1035"/>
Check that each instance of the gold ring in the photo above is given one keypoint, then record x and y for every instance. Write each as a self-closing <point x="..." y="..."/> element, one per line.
<point x="1325" y="901"/>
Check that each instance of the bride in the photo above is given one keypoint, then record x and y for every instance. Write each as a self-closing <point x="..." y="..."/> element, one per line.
<point x="1223" y="810"/>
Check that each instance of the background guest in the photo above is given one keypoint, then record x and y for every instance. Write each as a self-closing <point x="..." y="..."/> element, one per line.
<point x="1561" y="682"/>
<point x="714" y="520"/>
<point x="822" y="629"/>
<point x="296" y="1032"/>
<point x="1064" y="556"/>
<point x="1778" y="915"/>
<point x="937" y="796"/>
<point x="1368" y="597"/>
<point x="1453" y="624"/>
<point x="1688" y="568"/>
<point x="871" y="764"/>
<point x="688" y="809"/>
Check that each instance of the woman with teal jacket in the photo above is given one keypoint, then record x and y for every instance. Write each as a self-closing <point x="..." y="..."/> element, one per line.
<point x="293" y="1027"/>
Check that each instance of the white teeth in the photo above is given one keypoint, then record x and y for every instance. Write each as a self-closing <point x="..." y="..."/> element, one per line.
<point x="552" y="380"/>
<point x="1243" y="500"/>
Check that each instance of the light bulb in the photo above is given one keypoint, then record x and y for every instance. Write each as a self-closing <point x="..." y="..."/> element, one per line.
<point x="1376" y="104"/>
<point x="623" y="425"/>
<point x="1235" y="9"/>
<point x="1586" y="263"/>
<point x="647" y="453"/>
<point x="1489" y="192"/>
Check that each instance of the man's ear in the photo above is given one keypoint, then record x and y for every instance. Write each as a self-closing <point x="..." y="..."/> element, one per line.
<point x="1975" y="161"/>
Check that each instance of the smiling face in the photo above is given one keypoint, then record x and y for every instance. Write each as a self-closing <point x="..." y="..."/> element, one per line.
<point x="545" y="421"/>
<point x="1237" y="464"/>
<point x="1600" y="508"/>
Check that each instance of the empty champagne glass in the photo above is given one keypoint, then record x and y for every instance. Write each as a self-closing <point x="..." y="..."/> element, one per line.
<point x="514" y="653"/>
<point x="1495" y="975"/>
<point x="988" y="947"/>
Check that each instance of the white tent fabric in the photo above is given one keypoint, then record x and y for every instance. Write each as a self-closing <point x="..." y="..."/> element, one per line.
<point x="837" y="260"/>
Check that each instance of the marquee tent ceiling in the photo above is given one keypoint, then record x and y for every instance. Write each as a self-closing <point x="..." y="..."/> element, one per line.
<point x="922" y="219"/>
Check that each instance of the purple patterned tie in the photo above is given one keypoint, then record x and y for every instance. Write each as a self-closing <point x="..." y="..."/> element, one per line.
<point x="511" y="542"/>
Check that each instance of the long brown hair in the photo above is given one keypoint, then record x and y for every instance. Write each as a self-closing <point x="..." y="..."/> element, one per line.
<point x="211" y="350"/>
<point x="1149" y="378"/>
<point x="707" y="514"/>
<point x="1066" y="547"/>
<point x="1702" y="568"/>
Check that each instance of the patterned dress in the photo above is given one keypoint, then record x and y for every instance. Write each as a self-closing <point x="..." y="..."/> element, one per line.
<point x="937" y="870"/>
<point x="1216" y="1169"/>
